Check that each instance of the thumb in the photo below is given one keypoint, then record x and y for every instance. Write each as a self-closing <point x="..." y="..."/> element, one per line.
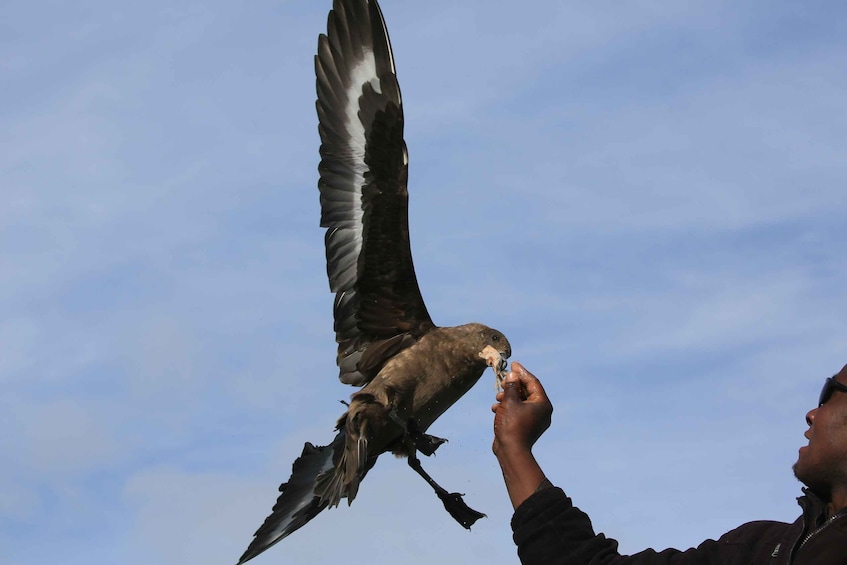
<point x="512" y="388"/>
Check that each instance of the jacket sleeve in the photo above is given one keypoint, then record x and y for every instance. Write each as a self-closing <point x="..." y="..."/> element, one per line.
<point x="549" y="529"/>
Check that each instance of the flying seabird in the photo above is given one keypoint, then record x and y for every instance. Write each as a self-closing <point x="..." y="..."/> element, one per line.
<point x="410" y="370"/>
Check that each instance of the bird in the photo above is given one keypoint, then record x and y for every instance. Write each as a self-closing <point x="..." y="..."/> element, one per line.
<point x="410" y="371"/>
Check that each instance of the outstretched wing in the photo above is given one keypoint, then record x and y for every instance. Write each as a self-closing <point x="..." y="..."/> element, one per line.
<point x="364" y="202"/>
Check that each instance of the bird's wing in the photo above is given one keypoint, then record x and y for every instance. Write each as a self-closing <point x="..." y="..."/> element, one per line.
<point x="364" y="202"/>
<point x="297" y="503"/>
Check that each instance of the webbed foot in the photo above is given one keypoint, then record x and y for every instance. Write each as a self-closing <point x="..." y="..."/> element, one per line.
<point x="425" y="443"/>
<point x="453" y="502"/>
<point x="456" y="507"/>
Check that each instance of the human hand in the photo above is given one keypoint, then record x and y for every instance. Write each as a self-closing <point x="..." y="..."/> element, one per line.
<point x="522" y="412"/>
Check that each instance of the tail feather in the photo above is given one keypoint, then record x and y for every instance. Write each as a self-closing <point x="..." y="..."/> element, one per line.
<point x="298" y="502"/>
<point x="330" y="484"/>
<point x="357" y="468"/>
<point x="342" y="481"/>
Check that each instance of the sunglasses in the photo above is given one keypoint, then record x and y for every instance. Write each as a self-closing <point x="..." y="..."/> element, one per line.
<point x="830" y="386"/>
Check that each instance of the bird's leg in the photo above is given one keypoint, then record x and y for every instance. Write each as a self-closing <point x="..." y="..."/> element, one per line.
<point x="452" y="501"/>
<point x="425" y="443"/>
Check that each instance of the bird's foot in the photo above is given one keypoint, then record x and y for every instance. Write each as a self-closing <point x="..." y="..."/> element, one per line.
<point x="456" y="507"/>
<point x="426" y="443"/>
<point x="453" y="503"/>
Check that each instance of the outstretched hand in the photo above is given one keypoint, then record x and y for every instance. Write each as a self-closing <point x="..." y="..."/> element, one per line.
<point x="522" y="412"/>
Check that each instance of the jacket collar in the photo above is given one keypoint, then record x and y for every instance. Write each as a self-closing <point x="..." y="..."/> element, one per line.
<point x="814" y="508"/>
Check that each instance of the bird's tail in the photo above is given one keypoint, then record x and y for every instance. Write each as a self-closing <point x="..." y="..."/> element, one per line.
<point x="298" y="502"/>
<point x="352" y="460"/>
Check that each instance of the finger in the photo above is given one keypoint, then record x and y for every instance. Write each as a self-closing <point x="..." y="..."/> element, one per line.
<point x="534" y="389"/>
<point x="512" y="391"/>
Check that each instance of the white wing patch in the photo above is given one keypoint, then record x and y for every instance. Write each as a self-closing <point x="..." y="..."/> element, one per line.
<point x="363" y="73"/>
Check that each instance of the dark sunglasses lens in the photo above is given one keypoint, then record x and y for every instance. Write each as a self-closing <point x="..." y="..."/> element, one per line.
<point x="826" y="392"/>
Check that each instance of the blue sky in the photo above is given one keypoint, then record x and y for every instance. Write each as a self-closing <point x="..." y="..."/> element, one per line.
<point x="646" y="197"/>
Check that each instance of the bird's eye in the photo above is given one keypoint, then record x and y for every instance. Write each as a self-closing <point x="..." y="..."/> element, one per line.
<point x="495" y="337"/>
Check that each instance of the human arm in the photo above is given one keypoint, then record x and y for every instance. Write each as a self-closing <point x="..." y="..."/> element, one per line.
<point x="548" y="528"/>
<point x="522" y="413"/>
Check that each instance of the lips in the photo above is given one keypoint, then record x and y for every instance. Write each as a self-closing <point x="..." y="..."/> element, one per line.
<point x="806" y="435"/>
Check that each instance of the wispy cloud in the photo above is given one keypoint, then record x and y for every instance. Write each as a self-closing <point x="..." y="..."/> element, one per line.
<point x="646" y="199"/>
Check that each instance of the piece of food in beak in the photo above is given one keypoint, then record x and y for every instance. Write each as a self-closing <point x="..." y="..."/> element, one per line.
<point x="497" y="362"/>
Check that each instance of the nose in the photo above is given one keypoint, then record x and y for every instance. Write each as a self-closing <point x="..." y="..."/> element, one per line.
<point x="810" y="416"/>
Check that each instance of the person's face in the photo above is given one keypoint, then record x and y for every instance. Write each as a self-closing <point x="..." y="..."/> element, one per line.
<point x="822" y="464"/>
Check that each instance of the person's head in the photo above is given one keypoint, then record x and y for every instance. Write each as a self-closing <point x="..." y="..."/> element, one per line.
<point x="822" y="464"/>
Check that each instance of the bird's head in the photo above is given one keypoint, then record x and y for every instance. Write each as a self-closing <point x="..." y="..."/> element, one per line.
<point x="490" y="337"/>
<point x="494" y="349"/>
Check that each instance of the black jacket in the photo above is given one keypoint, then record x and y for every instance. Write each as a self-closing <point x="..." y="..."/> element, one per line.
<point x="549" y="529"/>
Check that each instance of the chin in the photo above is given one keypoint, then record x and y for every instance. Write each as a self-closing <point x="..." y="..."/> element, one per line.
<point x="819" y="487"/>
<point x="801" y="472"/>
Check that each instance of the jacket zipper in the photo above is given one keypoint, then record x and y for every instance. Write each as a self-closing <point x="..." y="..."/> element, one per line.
<point x="823" y="526"/>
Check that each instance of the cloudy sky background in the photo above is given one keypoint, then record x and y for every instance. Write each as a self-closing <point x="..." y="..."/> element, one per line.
<point x="647" y="197"/>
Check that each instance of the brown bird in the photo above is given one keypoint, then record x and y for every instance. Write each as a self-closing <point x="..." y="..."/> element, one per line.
<point x="410" y="370"/>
